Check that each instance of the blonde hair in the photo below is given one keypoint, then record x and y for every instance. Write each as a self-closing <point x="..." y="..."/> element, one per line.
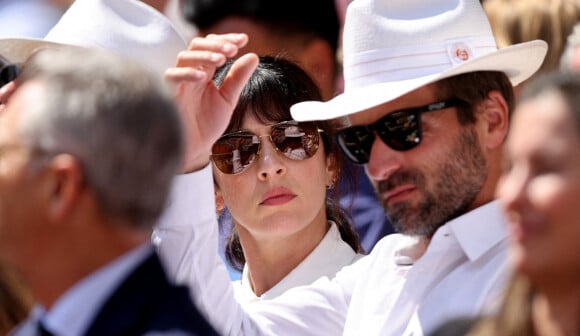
<point x="15" y="299"/>
<point x="516" y="21"/>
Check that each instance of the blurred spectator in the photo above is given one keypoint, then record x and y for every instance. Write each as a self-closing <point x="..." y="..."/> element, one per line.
<point x="516" y="21"/>
<point x="571" y="56"/>
<point x="305" y="32"/>
<point x="84" y="247"/>
<point x="539" y="193"/>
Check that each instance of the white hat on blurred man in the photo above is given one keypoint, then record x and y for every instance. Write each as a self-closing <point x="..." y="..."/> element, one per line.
<point x="128" y="28"/>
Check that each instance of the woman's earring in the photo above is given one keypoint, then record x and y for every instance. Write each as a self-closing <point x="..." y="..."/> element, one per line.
<point x="331" y="185"/>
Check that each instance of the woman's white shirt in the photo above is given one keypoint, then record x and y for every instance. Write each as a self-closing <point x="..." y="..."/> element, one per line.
<point x="329" y="257"/>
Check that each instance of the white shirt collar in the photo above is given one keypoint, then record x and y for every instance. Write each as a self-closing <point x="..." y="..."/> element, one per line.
<point x="329" y="256"/>
<point x="478" y="230"/>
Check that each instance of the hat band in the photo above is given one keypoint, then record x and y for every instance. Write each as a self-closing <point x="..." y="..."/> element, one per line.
<point x="409" y="62"/>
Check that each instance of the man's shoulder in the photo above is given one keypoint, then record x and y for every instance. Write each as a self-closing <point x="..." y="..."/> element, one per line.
<point x="146" y="302"/>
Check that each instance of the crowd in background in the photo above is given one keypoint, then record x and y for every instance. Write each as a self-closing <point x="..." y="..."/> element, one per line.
<point x="509" y="163"/>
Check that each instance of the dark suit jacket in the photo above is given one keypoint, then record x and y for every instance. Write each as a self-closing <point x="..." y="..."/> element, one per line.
<point x="147" y="303"/>
<point x="455" y="327"/>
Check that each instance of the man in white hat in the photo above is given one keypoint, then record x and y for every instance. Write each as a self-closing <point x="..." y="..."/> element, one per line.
<point x="428" y="96"/>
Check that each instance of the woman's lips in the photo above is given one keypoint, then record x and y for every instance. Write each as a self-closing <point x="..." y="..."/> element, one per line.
<point x="277" y="196"/>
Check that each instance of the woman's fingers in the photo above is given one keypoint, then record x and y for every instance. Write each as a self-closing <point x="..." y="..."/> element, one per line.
<point x="237" y="77"/>
<point x="6" y="91"/>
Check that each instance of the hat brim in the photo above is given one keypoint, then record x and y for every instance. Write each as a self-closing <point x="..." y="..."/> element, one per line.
<point x="18" y="50"/>
<point x="519" y="62"/>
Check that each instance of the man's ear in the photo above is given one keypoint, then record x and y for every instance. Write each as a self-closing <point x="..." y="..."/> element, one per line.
<point x="65" y="185"/>
<point x="495" y="117"/>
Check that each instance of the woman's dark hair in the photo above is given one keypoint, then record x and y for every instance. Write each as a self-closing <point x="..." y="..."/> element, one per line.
<point x="273" y="88"/>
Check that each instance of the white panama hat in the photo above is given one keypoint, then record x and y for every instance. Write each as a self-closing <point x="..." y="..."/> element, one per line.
<point x="392" y="47"/>
<point x="129" y="28"/>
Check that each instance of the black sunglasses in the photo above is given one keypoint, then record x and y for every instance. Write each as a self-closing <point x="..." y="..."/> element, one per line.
<point x="233" y="153"/>
<point x="8" y="71"/>
<point x="400" y="130"/>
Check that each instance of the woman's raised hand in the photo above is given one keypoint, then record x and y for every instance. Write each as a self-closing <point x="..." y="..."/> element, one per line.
<point x="204" y="108"/>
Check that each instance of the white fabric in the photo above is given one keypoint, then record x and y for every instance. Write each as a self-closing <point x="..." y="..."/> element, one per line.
<point x="129" y="28"/>
<point x="29" y="326"/>
<point x="75" y="310"/>
<point x="463" y="272"/>
<point x="329" y="257"/>
<point x="392" y="47"/>
<point x="174" y="12"/>
<point x="28" y="18"/>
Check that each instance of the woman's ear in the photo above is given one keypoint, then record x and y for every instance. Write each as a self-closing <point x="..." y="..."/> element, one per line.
<point x="219" y="200"/>
<point x="332" y="171"/>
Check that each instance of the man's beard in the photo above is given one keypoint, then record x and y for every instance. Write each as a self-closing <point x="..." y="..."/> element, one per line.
<point x="457" y="184"/>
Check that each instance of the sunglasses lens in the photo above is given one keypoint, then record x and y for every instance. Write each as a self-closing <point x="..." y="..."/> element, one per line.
<point x="296" y="141"/>
<point x="233" y="153"/>
<point x="400" y="130"/>
<point x="356" y="143"/>
<point x="8" y="74"/>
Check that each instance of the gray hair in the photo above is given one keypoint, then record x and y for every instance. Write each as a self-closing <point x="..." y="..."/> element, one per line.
<point x="117" y="119"/>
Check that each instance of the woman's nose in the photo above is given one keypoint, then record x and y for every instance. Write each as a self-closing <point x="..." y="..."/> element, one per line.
<point x="270" y="161"/>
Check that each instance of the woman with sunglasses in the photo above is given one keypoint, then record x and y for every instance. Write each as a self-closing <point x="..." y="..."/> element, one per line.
<point x="276" y="178"/>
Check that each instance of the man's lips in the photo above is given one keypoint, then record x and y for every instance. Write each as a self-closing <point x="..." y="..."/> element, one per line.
<point x="398" y="193"/>
<point x="277" y="196"/>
